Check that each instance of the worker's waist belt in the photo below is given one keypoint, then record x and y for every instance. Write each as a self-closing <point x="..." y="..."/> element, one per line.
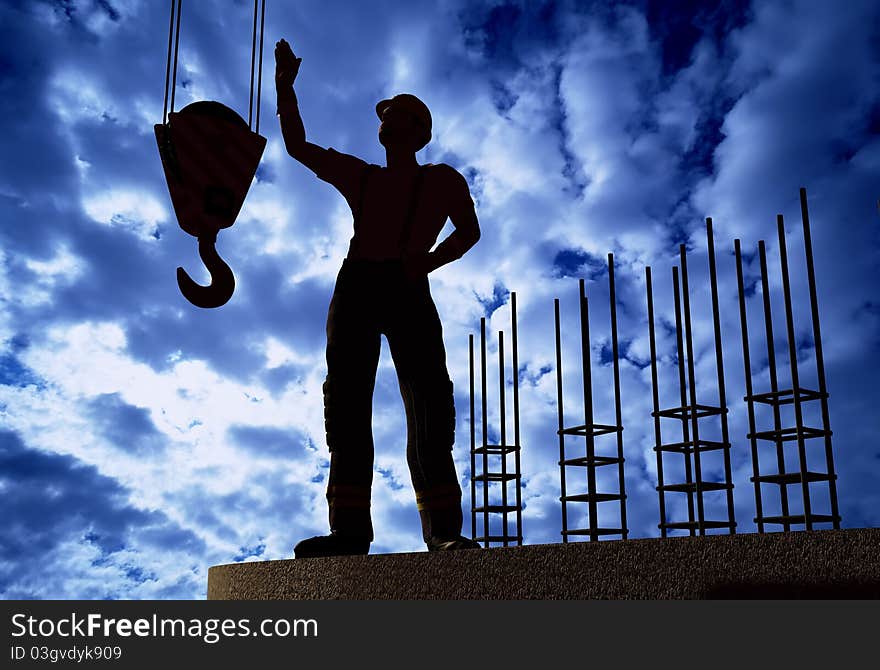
<point x="373" y="265"/>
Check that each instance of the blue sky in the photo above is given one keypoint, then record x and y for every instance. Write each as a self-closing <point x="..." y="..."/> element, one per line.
<point x="144" y="440"/>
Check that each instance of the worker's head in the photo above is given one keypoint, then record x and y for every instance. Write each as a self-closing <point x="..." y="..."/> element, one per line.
<point x="406" y="122"/>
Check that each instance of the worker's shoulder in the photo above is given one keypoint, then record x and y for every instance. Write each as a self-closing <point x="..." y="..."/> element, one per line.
<point x="447" y="175"/>
<point x="333" y="154"/>
<point x="336" y="167"/>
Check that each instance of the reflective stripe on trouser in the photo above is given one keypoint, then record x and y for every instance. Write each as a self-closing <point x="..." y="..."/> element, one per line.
<point x="430" y="418"/>
<point x="438" y="497"/>
<point x="440" y="511"/>
<point x="370" y="300"/>
<point x="351" y="497"/>
<point x="348" y="490"/>
<point x="349" y="505"/>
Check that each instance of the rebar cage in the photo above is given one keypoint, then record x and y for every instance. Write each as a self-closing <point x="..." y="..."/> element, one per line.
<point x="493" y="458"/>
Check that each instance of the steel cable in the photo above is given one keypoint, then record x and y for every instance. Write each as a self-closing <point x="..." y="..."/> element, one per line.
<point x="176" y="48"/>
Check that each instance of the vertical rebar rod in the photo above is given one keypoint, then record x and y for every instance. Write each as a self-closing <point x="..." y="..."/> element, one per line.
<point x="719" y="363"/>
<point x="692" y="385"/>
<point x="588" y="413"/>
<point x="560" y="414"/>
<point x="820" y="361"/>
<point x="618" y="415"/>
<point x="795" y="381"/>
<point x="473" y="440"/>
<point x="503" y="444"/>
<point x="682" y="387"/>
<point x="485" y="429"/>
<point x="774" y="382"/>
<point x="516" y="416"/>
<point x="747" y="367"/>
<point x="655" y="394"/>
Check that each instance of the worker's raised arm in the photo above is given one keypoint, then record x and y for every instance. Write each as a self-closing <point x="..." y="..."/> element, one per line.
<point x="292" y="129"/>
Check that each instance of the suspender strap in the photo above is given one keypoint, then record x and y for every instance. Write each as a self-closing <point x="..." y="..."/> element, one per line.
<point x="365" y="173"/>
<point x="406" y="232"/>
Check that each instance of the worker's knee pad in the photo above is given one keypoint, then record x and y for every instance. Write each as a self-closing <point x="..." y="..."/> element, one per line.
<point x="431" y="408"/>
<point x="449" y="418"/>
<point x="347" y="411"/>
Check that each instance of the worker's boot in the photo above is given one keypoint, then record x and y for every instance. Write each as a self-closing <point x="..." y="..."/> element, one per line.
<point x="461" y="542"/>
<point x="335" y="544"/>
<point x="440" y="512"/>
<point x="351" y="529"/>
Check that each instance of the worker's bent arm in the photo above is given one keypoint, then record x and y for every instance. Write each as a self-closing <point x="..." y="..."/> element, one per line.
<point x="467" y="228"/>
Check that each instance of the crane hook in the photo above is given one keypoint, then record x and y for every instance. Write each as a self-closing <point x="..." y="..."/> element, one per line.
<point x="222" y="285"/>
<point x="210" y="157"/>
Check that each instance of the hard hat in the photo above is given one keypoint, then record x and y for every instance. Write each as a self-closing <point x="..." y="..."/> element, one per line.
<point x="414" y="106"/>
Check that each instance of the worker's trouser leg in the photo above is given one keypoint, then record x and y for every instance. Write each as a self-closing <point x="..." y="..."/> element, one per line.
<point x="352" y="356"/>
<point x="415" y="338"/>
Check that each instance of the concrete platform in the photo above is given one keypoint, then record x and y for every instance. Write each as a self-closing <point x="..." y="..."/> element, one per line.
<point x="802" y="564"/>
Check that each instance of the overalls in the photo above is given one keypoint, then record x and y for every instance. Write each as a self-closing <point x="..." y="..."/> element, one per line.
<point x="374" y="298"/>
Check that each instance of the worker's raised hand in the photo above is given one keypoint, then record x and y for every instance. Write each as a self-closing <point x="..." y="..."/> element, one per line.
<point x="286" y="64"/>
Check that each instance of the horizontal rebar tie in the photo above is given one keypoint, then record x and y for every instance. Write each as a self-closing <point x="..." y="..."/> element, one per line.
<point x="687" y="447"/>
<point x="793" y="478"/>
<point x="789" y="434"/>
<point x="496" y="477"/>
<point x="594" y="429"/>
<point x="497" y="449"/>
<point x="692" y="486"/>
<point x="592" y="497"/>
<point x="594" y="461"/>
<point x="688" y="525"/>
<point x="687" y="411"/>
<point x="498" y="538"/>
<point x="799" y="518"/>
<point x="785" y="397"/>
<point x="496" y="508"/>
<point x="595" y="531"/>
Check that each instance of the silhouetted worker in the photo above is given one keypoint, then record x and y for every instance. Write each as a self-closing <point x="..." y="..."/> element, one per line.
<point x="382" y="288"/>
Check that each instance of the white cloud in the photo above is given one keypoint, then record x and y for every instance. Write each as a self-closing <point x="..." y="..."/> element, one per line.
<point x="136" y="212"/>
<point x="77" y="95"/>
